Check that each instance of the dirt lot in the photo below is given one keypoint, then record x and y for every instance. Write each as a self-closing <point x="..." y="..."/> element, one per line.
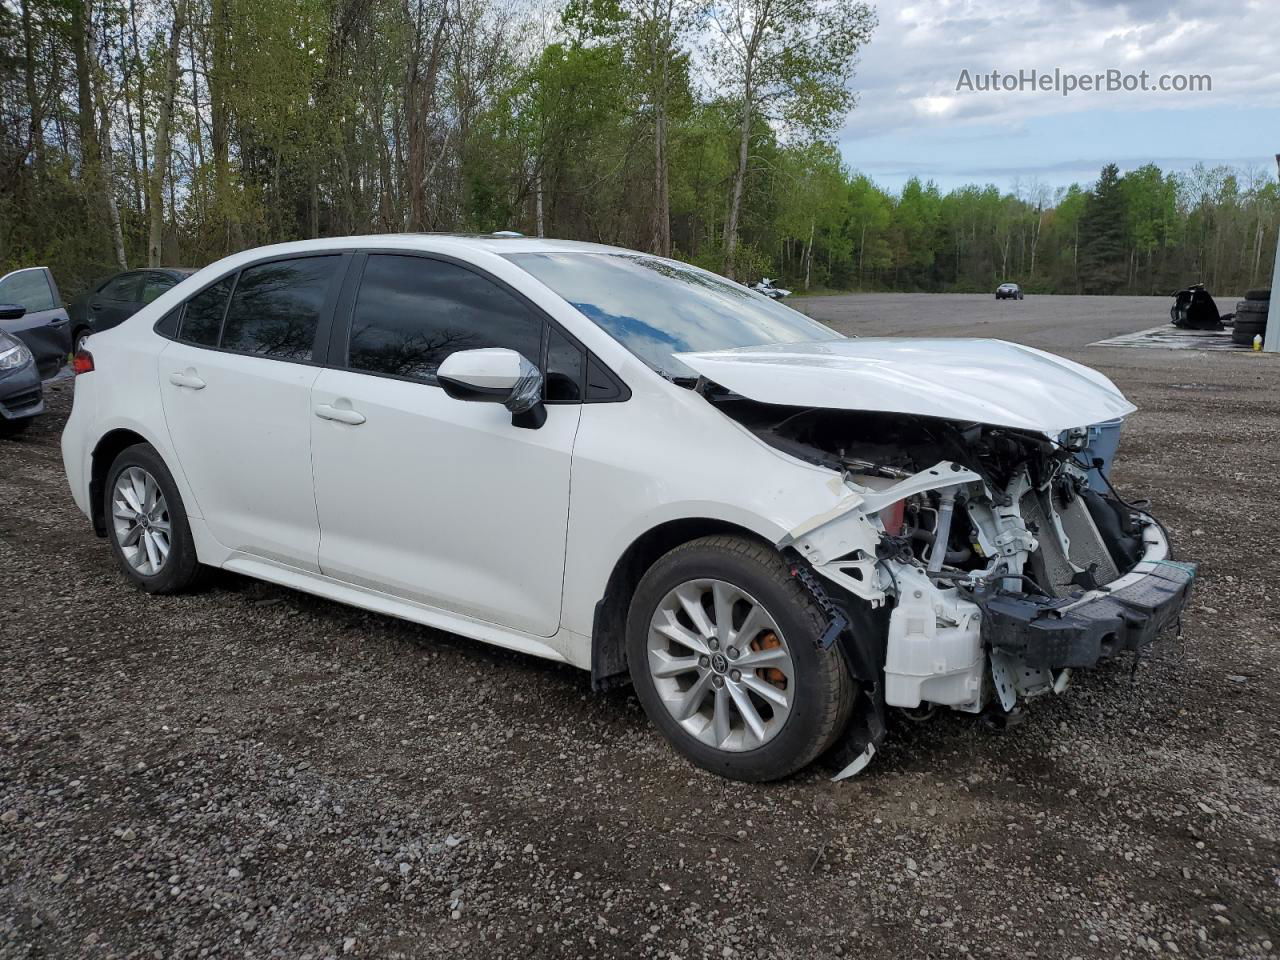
<point x="250" y="772"/>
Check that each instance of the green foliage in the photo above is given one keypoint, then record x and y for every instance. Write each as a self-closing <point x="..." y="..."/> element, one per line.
<point x="333" y="117"/>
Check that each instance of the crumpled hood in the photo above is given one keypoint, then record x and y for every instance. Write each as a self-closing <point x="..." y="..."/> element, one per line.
<point x="980" y="381"/>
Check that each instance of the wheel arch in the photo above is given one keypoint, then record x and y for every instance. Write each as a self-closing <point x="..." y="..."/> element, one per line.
<point x="109" y="446"/>
<point x="609" y="622"/>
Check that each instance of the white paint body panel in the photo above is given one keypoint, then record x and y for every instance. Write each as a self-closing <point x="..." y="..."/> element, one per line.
<point x="441" y="512"/>
<point x="982" y="381"/>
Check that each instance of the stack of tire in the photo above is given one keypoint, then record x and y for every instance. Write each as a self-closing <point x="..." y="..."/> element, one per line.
<point x="1251" y="317"/>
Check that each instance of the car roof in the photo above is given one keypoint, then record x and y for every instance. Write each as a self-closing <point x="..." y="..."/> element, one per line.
<point x="441" y="242"/>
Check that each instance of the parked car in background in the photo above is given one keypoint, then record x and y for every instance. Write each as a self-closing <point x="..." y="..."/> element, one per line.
<point x="43" y="325"/>
<point x="1008" y="291"/>
<point x="771" y="290"/>
<point x="21" y="396"/>
<point x="633" y="466"/>
<point x="117" y="298"/>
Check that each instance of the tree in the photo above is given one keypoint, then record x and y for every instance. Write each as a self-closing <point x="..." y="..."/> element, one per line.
<point x="787" y="62"/>
<point x="1103" y="235"/>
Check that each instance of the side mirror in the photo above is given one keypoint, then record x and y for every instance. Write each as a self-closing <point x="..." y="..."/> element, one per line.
<point x="496" y="375"/>
<point x="12" y="311"/>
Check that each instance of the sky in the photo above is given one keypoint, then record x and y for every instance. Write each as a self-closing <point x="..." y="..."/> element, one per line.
<point x="912" y="121"/>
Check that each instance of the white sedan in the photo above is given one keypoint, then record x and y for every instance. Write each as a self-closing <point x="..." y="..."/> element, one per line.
<point x="777" y="534"/>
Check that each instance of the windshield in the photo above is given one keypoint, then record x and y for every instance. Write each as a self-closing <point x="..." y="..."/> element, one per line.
<point x="656" y="308"/>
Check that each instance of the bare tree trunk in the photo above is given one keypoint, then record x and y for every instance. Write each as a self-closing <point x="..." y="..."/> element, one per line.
<point x="735" y="200"/>
<point x="107" y="166"/>
<point x="142" y="106"/>
<point x="155" y="244"/>
<point x="33" y="97"/>
<point x="808" y="254"/>
<point x="538" y="205"/>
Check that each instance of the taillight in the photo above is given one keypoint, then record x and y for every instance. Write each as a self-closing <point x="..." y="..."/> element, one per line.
<point x="82" y="362"/>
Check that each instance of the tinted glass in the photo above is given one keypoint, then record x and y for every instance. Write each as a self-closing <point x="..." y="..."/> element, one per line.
<point x="154" y="285"/>
<point x="657" y="308"/>
<point x="123" y="287"/>
<point x="30" y="288"/>
<point x="565" y="363"/>
<point x="167" y="326"/>
<point x="412" y="312"/>
<point x="276" y="307"/>
<point x="203" y="319"/>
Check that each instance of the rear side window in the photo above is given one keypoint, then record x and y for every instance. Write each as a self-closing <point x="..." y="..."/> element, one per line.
<point x="154" y="285"/>
<point x="203" y="318"/>
<point x="276" y="308"/>
<point x="123" y="287"/>
<point x="412" y="312"/>
<point x="28" y="288"/>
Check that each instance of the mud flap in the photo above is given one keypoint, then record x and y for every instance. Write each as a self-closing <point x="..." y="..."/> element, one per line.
<point x="862" y="644"/>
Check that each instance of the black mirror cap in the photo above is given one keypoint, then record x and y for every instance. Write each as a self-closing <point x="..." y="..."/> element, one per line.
<point x="531" y="419"/>
<point x="12" y="311"/>
<point x="466" y="391"/>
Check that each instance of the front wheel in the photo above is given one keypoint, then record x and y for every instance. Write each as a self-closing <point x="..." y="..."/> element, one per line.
<point x="147" y="523"/>
<point x="722" y="648"/>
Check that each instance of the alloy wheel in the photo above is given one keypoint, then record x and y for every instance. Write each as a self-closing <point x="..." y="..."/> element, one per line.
<point x="140" y="518"/>
<point x="721" y="665"/>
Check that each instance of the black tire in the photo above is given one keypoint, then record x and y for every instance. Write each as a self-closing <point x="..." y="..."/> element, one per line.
<point x="11" y="428"/>
<point x="76" y="335"/>
<point x="1263" y="295"/>
<point x="181" y="569"/>
<point x="1244" y="331"/>
<point x="1252" y="308"/>
<point x="824" y="690"/>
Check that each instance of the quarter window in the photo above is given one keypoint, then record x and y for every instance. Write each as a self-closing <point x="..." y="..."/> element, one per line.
<point x="276" y="308"/>
<point x="203" y="319"/>
<point x="412" y="312"/>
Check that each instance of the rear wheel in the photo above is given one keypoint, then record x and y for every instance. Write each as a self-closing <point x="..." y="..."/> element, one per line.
<point x="722" y="648"/>
<point x="147" y="523"/>
<point x="78" y="338"/>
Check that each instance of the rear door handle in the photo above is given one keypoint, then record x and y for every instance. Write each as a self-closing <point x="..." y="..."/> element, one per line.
<point x="96" y="306"/>
<point x="327" y="411"/>
<point x="186" y="378"/>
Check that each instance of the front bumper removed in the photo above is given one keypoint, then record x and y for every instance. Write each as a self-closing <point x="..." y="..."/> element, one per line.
<point x="1055" y="633"/>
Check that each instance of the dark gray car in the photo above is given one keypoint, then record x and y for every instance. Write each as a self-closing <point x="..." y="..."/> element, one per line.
<point x="115" y="299"/>
<point x="44" y="326"/>
<point x="21" y="395"/>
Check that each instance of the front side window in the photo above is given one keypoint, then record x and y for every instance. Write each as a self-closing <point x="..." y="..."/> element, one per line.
<point x="27" y="288"/>
<point x="202" y="321"/>
<point x="412" y="312"/>
<point x="657" y="308"/>
<point x="276" y="307"/>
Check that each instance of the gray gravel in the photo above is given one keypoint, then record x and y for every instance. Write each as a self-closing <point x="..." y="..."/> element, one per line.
<point x="250" y="772"/>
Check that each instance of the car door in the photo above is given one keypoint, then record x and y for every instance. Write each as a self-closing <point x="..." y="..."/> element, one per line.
<point x="115" y="301"/>
<point x="431" y="499"/>
<point x="236" y="388"/>
<point x="44" y="328"/>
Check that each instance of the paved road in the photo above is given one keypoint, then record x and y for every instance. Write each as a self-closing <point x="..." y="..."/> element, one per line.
<point x="250" y="772"/>
<point x="1051" y="323"/>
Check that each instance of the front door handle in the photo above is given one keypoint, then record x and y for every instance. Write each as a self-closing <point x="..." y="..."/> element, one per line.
<point x="186" y="378"/>
<point x="327" y="411"/>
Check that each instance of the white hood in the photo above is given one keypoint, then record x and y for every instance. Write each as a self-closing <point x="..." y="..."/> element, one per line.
<point x="979" y="381"/>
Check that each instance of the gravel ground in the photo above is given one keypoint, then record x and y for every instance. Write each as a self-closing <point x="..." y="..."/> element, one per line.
<point x="251" y="772"/>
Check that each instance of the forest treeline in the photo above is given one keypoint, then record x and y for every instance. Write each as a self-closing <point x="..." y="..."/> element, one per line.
<point x="176" y="131"/>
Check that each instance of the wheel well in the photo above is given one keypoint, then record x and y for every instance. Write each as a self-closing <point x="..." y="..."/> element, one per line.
<point x="609" y="627"/>
<point x="104" y="454"/>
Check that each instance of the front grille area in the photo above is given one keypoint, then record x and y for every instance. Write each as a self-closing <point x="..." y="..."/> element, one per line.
<point x="1052" y="564"/>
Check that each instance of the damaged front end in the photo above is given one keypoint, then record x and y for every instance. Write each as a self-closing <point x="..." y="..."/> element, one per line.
<point x="975" y="563"/>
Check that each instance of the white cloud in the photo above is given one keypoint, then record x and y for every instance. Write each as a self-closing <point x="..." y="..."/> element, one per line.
<point x="908" y="73"/>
